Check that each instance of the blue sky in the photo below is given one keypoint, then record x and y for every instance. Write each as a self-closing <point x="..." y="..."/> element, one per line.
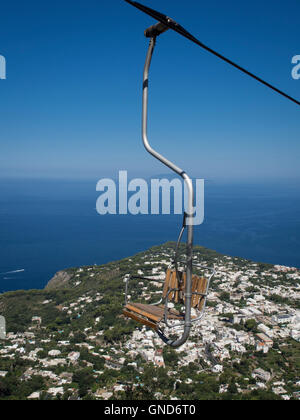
<point x="71" y="104"/>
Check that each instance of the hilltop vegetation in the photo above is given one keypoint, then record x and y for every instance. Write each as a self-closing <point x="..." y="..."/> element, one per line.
<point x="70" y="340"/>
<point x="19" y="307"/>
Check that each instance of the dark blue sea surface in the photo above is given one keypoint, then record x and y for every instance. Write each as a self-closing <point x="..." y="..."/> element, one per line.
<point x="46" y="226"/>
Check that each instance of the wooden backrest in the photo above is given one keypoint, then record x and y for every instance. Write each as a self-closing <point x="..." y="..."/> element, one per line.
<point x="171" y="282"/>
<point x="199" y="285"/>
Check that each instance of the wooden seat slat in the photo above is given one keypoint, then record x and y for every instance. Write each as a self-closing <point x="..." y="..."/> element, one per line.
<point x="155" y="313"/>
<point x="143" y="310"/>
<point x="141" y="320"/>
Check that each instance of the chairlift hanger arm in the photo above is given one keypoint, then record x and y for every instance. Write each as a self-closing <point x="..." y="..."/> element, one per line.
<point x="189" y="184"/>
<point x="171" y="24"/>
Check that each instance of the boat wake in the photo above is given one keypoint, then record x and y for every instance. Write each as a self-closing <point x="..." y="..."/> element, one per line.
<point x="12" y="272"/>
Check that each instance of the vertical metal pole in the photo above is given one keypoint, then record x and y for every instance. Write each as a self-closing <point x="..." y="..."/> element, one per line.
<point x="189" y="184"/>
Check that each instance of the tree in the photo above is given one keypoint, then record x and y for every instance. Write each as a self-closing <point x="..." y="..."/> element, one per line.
<point x="251" y="325"/>
<point x="84" y="378"/>
<point x="170" y="357"/>
<point x="225" y="296"/>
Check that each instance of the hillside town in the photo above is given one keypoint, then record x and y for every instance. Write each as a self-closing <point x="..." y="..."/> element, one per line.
<point x="247" y="342"/>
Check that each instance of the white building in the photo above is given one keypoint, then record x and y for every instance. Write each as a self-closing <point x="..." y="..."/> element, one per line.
<point x="261" y="374"/>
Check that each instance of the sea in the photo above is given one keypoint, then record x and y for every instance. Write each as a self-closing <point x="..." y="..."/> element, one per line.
<point x="50" y="225"/>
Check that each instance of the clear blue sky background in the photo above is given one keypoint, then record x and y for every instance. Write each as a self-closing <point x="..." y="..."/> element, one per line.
<point x="71" y="104"/>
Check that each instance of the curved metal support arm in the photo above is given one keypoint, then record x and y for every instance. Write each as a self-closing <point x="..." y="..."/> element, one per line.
<point x="149" y="149"/>
<point x="190" y="210"/>
<point x="179" y="324"/>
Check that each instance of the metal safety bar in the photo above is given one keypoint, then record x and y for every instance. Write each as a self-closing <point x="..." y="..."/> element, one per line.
<point x="140" y="278"/>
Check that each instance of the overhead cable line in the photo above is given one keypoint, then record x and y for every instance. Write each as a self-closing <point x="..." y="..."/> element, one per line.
<point x="168" y="23"/>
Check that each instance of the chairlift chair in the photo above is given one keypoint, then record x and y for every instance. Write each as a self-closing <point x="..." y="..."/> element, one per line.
<point x="156" y="316"/>
<point x="180" y="286"/>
